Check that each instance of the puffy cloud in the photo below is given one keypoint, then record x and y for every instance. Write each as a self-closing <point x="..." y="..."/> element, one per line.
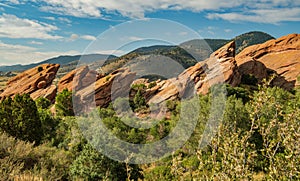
<point x="74" y="37"/>
<point x="64" y="20"/>
<point x="88" y="37"/>
<point x="12" y="26"/>
<point x="273" y="16"/>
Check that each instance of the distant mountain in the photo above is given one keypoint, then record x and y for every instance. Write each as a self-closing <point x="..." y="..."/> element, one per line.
<point x="62" y="60"/>
<point x="151" y="54"/>
<point x="202" y="48"/>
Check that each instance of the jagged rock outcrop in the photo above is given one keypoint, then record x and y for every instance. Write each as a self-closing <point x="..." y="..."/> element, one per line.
<point x="281" y="55"/>
<point x="36" y="81"/>
<point x="219" y="68"/>
<point x="78" y="79"/>
<point x="48" y="93"/>
<point x="117" y="84"/>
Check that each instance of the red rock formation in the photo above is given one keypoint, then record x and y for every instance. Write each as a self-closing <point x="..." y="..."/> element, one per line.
<point x="219" y="68"/>
<point x="78" y="79"/>
<point x="36" y="82"/>
<point x="116" y="84"/>
<point x="48" y="93"/>
<point x="281" y="55"/>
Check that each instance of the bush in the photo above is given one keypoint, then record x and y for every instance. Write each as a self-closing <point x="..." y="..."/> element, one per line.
<point x="21" y="160"/>
<point x="64" y="103"/>
<point x="139" y="101"/>
<point x="92" y="165"/>
<point x="19" y="118"/>
<point x="42" y="103"/>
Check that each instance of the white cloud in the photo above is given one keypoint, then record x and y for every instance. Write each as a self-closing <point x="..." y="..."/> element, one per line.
<point x="88" y="37"/>
<point x="74" y="37"/>
<point x="13" y="27"/>
<point x="14" y="1"/>
<point x="50" y="18"/>
<point x="19" y="54"/>
<point x="138" y="8"/>
<point x="6" y="5"/>
<point x="35" y="43"/>
<point x="272" y="16"/>
<point x="64" y="20"/>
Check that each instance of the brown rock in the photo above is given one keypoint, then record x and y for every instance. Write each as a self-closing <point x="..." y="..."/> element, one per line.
<point x="281" y="55"/>
<point x="48" y="93"/>
<point x="78" y="79"/>
<point x="42" y="84"/>
<point x="219" y="68"/>
<point x="31" y="81"/>
<point x="116" y="84"/>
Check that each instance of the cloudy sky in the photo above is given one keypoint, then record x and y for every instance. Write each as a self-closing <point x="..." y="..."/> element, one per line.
<point x="34" y="30"/>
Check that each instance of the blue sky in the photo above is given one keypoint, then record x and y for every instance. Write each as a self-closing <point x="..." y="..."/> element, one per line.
<point x="34" y="30"/>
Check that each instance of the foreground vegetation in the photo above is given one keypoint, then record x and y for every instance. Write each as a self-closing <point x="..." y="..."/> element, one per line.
<point x="258" y="139"/>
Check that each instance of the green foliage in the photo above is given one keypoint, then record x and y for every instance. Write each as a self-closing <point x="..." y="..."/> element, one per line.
<point x="159" y="173"/>
<point x="21" y="160"/>
<point x="138" y="87"/>
<point x="257" y="139"/>
<point x="139" y="100"/>
<point x="68" y="136"/>
<point x="64" y="105"/>
<point x="42" y="103"/>
<point x="92" y="165"/>
<point x="19" y="118"/>
<point x="48" y="125"/>
<point x="151" y="85"/>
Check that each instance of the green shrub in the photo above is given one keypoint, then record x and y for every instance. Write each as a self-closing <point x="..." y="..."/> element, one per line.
<point x="19" y="117"/>
<point x="42" y="103"/>
<point x="64" y="103"/>
<point x="92" y="165"/>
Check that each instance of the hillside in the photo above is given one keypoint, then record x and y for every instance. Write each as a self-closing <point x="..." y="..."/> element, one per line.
<point x="173" y="52"/>
<point x="252" y="38"/>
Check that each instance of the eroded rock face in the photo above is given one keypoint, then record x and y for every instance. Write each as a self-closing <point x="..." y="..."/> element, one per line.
<point x="36" y="81"/>
<point x="281" y="55"/>
<point x="219" y="68"/>
<point x="78" y="79"/>
<point x="101" y="92"/>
